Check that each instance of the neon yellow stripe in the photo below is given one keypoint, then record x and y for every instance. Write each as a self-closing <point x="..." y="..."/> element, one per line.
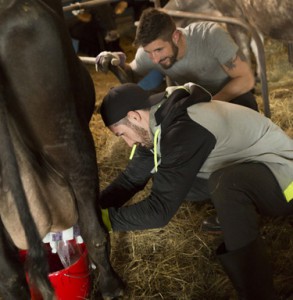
<point x="132" y="152"/>
<point x="156" y="149"/>
<point x="289" y="192"/>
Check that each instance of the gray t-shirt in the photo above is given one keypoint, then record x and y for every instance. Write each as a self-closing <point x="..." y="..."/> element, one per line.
<point x="208" y="47"/>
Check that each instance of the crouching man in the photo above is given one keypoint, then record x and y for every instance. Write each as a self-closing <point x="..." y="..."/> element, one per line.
<point x="196" y="148"/>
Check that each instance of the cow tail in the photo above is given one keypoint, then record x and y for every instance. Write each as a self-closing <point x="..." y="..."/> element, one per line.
<point x="36" y="264"/>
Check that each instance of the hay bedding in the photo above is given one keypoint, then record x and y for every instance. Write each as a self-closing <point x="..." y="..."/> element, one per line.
<point x="178" y="261"/>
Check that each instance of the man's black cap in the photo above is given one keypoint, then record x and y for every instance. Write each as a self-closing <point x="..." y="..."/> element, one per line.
<point x="124" y="98"/>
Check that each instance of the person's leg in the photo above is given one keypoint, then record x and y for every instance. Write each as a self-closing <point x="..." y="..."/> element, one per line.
<point x="247" y="100"/>
<point x="240" y="193"/>
<point x="152" y="81"/>
<point x="249" y="270"/>
<point x="199" y="191"/>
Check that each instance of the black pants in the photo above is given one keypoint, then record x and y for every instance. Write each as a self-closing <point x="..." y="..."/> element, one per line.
<point x="247" y="100"/>
<point x="240" y="194"/>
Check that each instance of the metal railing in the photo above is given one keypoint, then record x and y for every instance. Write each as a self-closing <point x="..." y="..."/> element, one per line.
<point x="84" y="5"/>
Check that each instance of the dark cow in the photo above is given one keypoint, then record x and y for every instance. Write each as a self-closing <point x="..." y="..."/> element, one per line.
<point x="49" y="176"/>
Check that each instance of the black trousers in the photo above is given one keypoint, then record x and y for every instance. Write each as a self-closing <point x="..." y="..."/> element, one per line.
<point x="247" y="99"/>
<point x="240" y="194"/>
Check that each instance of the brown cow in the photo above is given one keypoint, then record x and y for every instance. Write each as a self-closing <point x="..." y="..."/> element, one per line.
<point x="270" y="18"/>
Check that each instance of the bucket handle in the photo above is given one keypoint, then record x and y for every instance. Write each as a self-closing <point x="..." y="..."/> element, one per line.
<point x="77" y="277"/>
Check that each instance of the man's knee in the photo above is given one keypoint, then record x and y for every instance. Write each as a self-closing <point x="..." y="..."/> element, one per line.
<point x="224" y="186"/>
<point x="218" y="181"/>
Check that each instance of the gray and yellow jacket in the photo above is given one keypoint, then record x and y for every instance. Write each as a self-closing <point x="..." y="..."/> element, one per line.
<point x="193" y="137"/>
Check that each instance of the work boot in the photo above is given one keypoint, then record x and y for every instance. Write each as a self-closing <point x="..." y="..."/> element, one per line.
<point x="249" y="271"/>
<point x="211" y="224"/>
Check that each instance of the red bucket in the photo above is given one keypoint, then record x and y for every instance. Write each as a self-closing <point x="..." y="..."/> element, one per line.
<point x="70" y="283"/>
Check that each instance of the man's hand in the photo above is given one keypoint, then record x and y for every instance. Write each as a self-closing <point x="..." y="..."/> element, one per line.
<point x="106" y="58"/>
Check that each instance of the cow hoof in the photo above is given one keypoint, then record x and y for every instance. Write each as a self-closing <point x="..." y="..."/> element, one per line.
<point x="111" y="298"/>
<point x="112" y="289"/>
<point x="118" y="295"/>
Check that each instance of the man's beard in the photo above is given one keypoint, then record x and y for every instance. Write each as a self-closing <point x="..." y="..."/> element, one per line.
<point x="144" y="134"/>
<point x="172" y="59"/>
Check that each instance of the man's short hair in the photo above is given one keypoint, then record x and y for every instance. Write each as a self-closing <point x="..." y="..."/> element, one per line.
<point x="153" y="25"/>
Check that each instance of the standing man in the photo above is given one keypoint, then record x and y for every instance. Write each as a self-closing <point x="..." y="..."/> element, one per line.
<point x="203" y="53"/>
<point x="188" y="143"/>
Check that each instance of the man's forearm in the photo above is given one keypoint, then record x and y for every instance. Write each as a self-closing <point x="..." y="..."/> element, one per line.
<point x="234" y="88"/>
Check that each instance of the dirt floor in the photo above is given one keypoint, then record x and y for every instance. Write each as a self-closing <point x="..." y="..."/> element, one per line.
<point x="178" y="261"/>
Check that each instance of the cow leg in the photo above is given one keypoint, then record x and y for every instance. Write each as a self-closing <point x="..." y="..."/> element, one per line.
<point x="13" y="285"/>
<point x="97" y="242"/>
<point x="84" y="182"/>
